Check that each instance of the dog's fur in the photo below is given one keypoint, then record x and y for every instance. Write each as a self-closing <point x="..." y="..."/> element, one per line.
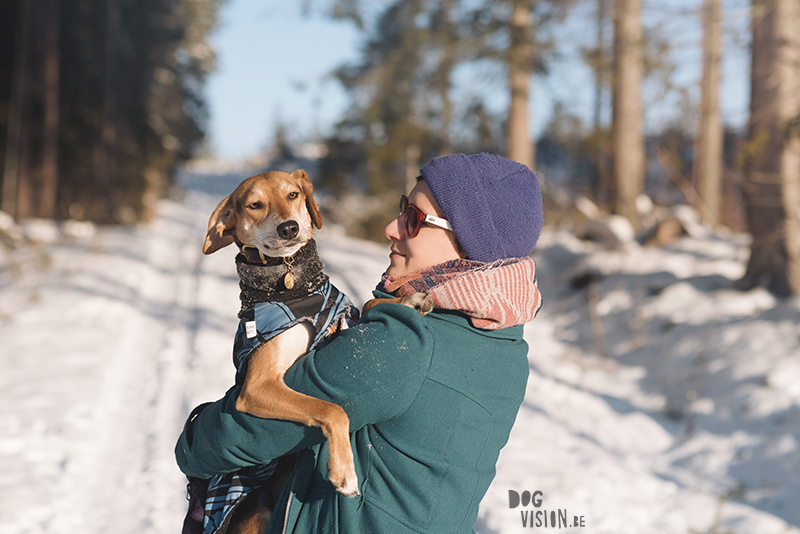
<point x="275" y="213"/>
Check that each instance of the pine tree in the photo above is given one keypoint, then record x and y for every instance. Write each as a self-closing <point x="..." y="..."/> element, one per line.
<point x="103" y="142"/>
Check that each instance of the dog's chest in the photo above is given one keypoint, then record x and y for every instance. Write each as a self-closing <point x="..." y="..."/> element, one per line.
<point x="318" y="311"/>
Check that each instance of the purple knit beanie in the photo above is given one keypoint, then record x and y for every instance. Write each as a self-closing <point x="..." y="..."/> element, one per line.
<point x="494" y="204"/>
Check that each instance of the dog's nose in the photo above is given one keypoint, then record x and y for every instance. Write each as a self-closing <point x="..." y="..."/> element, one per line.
<point x="288" y="230"/>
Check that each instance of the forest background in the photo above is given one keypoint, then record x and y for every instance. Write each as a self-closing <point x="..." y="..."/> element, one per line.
<point x="101" y="102"/>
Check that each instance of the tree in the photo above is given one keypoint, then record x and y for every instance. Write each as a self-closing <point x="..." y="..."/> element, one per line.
<point x="599" y="59"/>
<point x="102" y="143"/>
<point x="444" y="29"/>
<point x="513" y="34"/>
<point x="105" y="167"/>
<point x="52" y="74"/>
<point x="772" y="182"/>
<point x="520" y="69"/>
<point x="707" y="169"/>
<point x="400" y="92"/>
<point x="15" y="168"/>
<point x="628" y="158"/>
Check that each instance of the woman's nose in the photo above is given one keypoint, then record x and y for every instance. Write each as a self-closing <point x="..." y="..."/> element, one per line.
<point x="392" y="230"/>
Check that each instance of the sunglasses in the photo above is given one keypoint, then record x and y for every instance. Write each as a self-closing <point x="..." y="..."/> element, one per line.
<point x="415" y="217"/>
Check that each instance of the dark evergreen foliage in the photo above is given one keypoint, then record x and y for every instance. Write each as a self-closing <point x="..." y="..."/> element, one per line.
<point x="130" y="102"/>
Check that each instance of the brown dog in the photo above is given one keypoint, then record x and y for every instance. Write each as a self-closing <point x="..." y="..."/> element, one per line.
<point x="273" y="215"/>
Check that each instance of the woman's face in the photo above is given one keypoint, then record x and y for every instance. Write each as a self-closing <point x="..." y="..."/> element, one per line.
<point x="431" y="246"/>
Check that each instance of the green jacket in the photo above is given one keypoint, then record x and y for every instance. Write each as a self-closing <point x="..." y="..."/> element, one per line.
<point x="431" y="402"/>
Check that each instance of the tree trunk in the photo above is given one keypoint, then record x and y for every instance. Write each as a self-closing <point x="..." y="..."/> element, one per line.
<point x="47" y="199"/>
<point x="600" y="64"/>
<point x="599" y="67"/>
<point x="772" y="183"/>
<point x="106" y="161"/>
<point x="449" y="46"/>
<point x="627" y="140"/>
<point x="520" y="60"/>
<point x="15" y="168"/>
<point x="707" y="169"/>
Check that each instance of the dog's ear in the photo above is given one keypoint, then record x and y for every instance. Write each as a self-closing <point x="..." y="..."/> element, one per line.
<point x="220" y="227"/>
<point x="308" y="191"/>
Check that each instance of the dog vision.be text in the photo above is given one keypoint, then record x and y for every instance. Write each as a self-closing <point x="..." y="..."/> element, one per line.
<point x="541" y="518"/>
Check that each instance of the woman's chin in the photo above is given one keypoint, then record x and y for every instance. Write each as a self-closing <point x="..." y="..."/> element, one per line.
<point x="397" y="265"/>
<point x="391" y="270"/>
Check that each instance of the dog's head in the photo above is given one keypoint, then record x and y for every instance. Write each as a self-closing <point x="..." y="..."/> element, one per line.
<point x="274" y="212"/>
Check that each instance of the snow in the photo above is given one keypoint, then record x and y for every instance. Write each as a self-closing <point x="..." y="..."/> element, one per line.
<point x="660" y="398"/>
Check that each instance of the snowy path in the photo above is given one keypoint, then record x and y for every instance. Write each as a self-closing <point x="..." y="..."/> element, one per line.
<point x="106" y="347"/>
<point x="93" y="394"/>
<point x="106" y="344"/>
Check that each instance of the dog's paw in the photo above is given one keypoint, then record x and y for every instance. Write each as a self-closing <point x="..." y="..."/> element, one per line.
<point x="344" y="479"/>
<point x="422" y="302"/>
<point x="347" y="486"/>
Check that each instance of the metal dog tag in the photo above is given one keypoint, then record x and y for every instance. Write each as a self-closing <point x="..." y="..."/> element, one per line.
<point x="288" y="280"/>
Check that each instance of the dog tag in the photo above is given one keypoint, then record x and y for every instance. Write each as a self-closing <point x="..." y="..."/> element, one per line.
<point x="288" y="280"/>
<point x="250" y="329"/>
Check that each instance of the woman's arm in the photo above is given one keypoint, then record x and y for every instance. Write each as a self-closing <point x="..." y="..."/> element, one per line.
<point x="372" y="370"/>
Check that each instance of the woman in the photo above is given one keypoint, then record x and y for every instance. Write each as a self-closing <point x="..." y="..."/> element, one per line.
<point x="431" y="400"/>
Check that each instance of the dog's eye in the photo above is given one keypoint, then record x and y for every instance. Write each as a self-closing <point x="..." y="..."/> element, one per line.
<point x="255" y="205"/>
<point x="293" y="195"/>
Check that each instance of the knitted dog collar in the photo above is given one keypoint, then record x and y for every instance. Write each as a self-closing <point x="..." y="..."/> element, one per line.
<point x="260" y="282"/>
<point x="254" y="256"/>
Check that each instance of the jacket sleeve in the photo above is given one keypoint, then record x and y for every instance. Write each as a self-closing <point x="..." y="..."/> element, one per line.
<point x="373" y="370"/>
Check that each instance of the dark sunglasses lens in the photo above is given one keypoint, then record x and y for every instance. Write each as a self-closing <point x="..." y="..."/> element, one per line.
<point x="413" y="218"/>
<point x="403" y="204"/>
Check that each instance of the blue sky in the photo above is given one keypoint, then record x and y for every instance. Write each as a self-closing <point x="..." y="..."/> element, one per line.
<point x="274" y="65"/>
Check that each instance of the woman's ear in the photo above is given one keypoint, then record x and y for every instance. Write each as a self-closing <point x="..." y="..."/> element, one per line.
<point x="308" y="191"/>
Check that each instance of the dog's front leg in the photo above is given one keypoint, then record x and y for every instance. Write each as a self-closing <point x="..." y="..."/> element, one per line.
<point x="267" y="365"/>
<point x="265" y="394"/>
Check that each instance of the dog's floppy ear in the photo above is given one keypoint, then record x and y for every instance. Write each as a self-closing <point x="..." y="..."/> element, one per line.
<point x="220" y="227"/>
<point x="308" y="191"/>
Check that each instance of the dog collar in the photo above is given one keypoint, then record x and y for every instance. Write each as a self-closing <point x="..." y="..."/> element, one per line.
<point x="254" y="255"/>
<point x="261" y="283"/>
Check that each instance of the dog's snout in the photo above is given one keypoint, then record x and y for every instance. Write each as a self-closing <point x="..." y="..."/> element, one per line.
<point x="288" y="230"/>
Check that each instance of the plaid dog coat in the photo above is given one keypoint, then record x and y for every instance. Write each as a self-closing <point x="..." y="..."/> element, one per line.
<point x="326" y="308"/>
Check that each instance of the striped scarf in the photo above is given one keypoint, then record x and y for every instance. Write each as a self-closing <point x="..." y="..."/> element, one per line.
<point x="493" y="295"/>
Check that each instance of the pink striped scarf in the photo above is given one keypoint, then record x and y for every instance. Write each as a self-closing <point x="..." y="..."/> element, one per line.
<point x="494" y="295"/>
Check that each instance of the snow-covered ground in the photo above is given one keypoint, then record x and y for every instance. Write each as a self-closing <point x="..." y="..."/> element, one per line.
<point x="660" y="399"/>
